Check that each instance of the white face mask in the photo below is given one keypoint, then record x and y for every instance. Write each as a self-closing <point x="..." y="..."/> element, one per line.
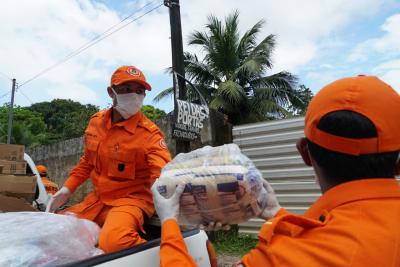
<point x="128" y="104"/>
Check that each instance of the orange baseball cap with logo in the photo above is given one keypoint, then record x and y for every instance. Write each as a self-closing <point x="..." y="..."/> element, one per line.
<point x="129" y="74"/>
<point x="366" y="95"/>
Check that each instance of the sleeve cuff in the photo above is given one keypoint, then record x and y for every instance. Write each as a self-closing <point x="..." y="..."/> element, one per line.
<point x="170" y="229"/>
<point x="281" y="212"/>
<point x="72" y="183"/>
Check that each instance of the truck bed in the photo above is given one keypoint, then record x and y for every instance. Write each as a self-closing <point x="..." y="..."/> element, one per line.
<point x="147" y="254"/>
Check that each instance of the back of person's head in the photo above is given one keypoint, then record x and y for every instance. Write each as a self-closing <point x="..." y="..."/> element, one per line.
<point x="352" y="128"/>
<point x="345" y="167"/>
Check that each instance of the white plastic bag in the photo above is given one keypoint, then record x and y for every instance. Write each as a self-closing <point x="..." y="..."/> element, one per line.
<point x="221" y="184"/>
<point x="45" y="239"/>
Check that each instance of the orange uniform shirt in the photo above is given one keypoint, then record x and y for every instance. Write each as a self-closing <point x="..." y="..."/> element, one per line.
<point x="51" y="187"/>
<point x="122" y="160"/>
<point x="354" y="224"/>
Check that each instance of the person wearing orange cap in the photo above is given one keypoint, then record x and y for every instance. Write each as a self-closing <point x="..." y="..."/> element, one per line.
<point x="124" y="153"/>
<point x="51" y="187"/>
<point x="352" y="141"/>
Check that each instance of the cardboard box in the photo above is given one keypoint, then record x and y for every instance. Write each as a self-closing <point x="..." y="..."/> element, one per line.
<point x="22" y="186"/>
<point x="11" y="204"/>
<point x="12" y="152"/>
<point x="13" y="167"/>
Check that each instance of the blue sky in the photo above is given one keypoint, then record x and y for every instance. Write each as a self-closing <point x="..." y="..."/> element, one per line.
<point x="319" y="41"/>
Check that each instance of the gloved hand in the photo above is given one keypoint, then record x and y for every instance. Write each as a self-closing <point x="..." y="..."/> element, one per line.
<point x="167" y="208"/>
<point x="58" y="199"/>
<point x="267" y="202"/>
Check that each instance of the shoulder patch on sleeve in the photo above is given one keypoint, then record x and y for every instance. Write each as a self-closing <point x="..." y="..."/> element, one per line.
<point x="163" y="144"/>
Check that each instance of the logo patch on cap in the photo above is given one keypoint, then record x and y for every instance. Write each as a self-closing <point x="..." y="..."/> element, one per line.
<point x="163" y="144"/>
<point x="133" y="71"/>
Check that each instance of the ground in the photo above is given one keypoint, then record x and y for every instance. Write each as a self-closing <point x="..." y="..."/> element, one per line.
<point x="230" y="246"/>
<point x="227" y="260"/>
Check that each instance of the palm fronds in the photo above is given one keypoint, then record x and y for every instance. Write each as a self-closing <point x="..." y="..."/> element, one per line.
<point x="232" y="75"/>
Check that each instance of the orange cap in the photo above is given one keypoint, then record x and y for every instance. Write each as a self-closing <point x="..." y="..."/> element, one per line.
<point x="129" y="74"/>
<point x="366" y="95"/>
<point x="41" y="169"/>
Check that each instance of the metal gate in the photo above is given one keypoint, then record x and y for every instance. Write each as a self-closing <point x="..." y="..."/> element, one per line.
<point x="271" y="146"/>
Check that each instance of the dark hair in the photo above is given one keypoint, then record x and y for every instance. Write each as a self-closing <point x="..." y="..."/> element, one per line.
<point x="339" y="167"/>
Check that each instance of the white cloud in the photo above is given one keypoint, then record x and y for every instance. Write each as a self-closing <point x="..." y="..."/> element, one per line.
<point x="393" y="64"/>
<point x="392" y="78"/>
<point x="36" y="34"/>
<point x="390" y="72"/>
<point x="76" y="91"/>
<point x="302" y="27"/>
<point x="386" y="49"/>
<point x="388" y="45"/>
<point x="46" y="31"/>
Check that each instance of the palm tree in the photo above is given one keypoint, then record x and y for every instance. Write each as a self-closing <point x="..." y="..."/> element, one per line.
<point x="232" y="75"/>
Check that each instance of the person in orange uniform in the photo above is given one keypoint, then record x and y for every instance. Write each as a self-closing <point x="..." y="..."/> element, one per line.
<point x="51" y="187"/>
<point x="124" y="153"/>
<point x="352" y="141"/>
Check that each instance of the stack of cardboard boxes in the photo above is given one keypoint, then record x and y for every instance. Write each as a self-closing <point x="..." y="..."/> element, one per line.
<point x="13" y="178"/>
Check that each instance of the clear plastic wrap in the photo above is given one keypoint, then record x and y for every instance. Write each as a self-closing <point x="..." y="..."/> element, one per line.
<point x="221" y="184"/>
<point x="45" y="239"/>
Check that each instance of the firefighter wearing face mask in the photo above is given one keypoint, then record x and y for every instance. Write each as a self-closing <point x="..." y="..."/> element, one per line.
<point x="124" y="153"/>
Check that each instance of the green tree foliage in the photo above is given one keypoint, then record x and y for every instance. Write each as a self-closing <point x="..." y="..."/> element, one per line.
<point x="48" y="122"/>
<point x="28" y="128"/>
<point x="65" y="119"/>
<point x="232" y="76"/>
<point x="300" y="104"/>
<point x="152" y="113"/>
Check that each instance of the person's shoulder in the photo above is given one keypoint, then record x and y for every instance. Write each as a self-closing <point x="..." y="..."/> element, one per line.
<point x="98" y="115"/>
<point x="148" y="125"/>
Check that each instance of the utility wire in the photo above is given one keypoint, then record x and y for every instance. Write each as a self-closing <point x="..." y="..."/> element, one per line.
<point x="94" y="41"/>
<point x="8" y="78"/>
<point x="24" y="95"/>
<point x="103" y="33"/>
<point x="4" y="95"/>
<point x="5" y="75"/>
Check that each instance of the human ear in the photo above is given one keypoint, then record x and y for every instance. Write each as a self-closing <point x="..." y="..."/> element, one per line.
<point x="302" y="147"/>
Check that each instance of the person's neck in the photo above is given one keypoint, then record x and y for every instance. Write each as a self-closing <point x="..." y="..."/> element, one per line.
<point x="325" y="186"/>
<point x="116" y="116"/>
<point x="323" y="180"/>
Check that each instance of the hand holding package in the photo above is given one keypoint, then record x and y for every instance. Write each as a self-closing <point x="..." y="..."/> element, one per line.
<point x="221" y="185"/>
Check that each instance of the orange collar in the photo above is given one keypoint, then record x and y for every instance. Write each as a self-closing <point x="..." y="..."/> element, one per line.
<point x="129" y="124"/>
<point x="353" y="191"/>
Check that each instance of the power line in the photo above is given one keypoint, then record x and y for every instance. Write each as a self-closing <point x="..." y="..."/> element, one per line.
<point x="5" y="75"/>
<point x="8" y="78"/>
<point x="99" y="35"/>
<point x="4" y="95"/>
<point x="93" y="42"/>
<point x="24" y="95"/>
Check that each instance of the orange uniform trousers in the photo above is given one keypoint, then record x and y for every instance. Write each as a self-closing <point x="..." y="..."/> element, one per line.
<point x="353" y="224"/>
<point x="120" y="226"/>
